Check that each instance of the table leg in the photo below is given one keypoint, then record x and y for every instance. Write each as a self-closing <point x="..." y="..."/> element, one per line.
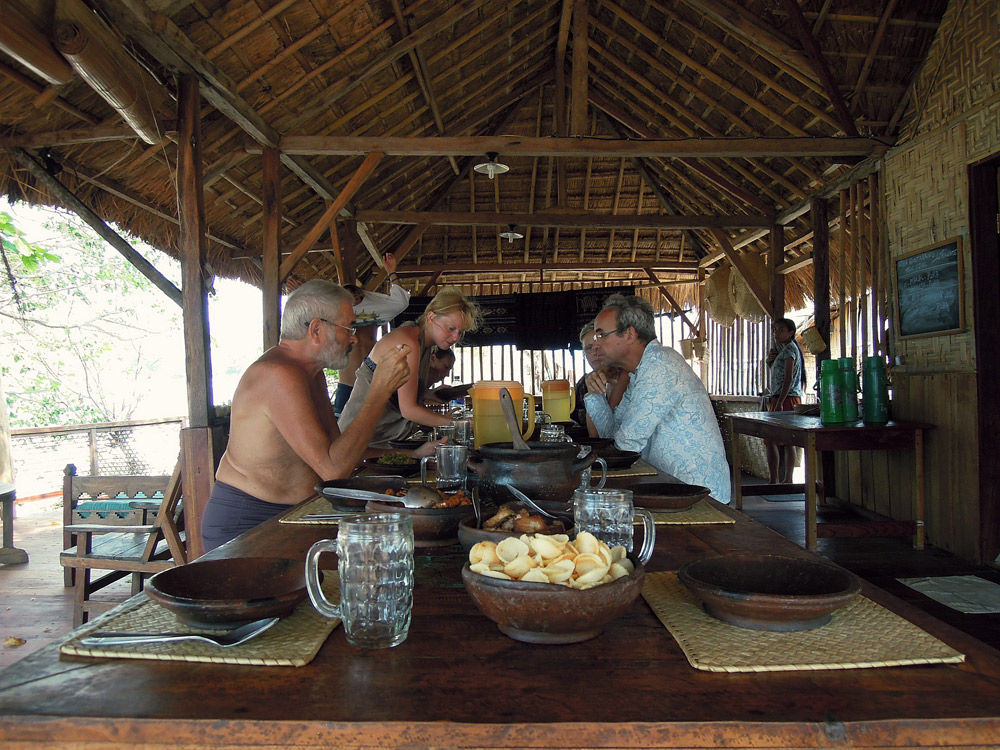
<point x="9" y="554"/>
<point x="737" y="472"/>
<point x="918" y="449"/>
<point x="813" y="470"/>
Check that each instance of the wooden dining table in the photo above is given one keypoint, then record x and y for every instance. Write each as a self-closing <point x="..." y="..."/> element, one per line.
<point x="457" y="682"/>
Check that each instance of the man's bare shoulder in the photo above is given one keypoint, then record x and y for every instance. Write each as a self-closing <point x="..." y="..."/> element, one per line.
<point x="274" y="367"/>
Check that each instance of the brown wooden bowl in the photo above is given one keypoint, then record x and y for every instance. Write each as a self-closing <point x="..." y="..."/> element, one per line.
<point x="469" y="535"/>
<point x="770" y="592"/>
<point x="432" y="527"/>
<point x="617" y="458"/>
<point x="227" y="593"/>
<point x="407" y="469"/>
<point x="668" y="497"/>
<point x="550" y="613"/>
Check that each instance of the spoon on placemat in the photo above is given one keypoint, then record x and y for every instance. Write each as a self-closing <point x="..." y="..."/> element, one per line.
<point x="227" y="639"/>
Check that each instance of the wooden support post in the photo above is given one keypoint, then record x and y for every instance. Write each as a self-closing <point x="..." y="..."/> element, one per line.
<point x="821" y="277"/>
<point x="271" y="285"/>
<point x="196" y="448"/>
<point x="775" y="258"/>
<point x="349" y="248"/>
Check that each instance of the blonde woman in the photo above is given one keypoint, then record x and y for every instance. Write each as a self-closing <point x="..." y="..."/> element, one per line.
<point x="446" y="318"/>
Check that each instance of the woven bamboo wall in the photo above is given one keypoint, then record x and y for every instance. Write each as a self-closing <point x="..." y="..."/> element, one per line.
<point x="953" y="124"/>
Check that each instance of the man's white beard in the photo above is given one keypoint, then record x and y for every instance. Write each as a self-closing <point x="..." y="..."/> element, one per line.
<point x="334" y="357"/>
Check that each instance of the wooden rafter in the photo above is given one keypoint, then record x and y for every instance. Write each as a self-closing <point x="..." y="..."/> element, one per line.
<point x="589" y="219"/>
<point x="673" y="303"/>
<point x="517" y="267"/>
<point x="819" y="65"/>
<point x="665" y="148"/>
<point x="366" y="168"/>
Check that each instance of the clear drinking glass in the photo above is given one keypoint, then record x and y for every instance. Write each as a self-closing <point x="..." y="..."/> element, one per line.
<point x="375" y="565"/>
<point x="463" y="431"/>
<point x="451" y="467"/>
<point x="552" y="433"/>
<point x="445" y="431"/>
<point x="609" y="515"/>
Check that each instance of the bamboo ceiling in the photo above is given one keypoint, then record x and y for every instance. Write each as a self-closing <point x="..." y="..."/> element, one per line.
<point x="684" y="126"/>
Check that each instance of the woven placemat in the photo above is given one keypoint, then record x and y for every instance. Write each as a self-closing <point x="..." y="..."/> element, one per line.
<point x="639" y="469"/>
<point x="861" y="635"/>
<point x="699" y="513"/>
<point x="292" y="642"/>
<point x="318" y="504"/>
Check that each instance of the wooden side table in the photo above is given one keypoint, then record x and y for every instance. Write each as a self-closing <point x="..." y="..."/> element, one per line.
<point x="9" y="554"/>
<point x="811" y="434"/>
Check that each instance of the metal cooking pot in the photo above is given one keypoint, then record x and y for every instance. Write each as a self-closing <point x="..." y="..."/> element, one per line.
<point x="547" y="472"/>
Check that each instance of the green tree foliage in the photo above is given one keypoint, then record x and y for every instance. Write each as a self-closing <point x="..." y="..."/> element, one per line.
<point x="83" y="330"/>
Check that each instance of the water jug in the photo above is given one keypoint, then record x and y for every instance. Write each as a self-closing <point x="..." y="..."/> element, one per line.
<point x="875" y="391"/>
<point x="831" y="393"/>
<point x="849" y="386"/>
<point x="488" y="423"/>
<point x="558" y="400"/>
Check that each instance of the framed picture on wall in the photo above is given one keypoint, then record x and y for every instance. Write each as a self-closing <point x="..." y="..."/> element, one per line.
<point x="929" y="290"/>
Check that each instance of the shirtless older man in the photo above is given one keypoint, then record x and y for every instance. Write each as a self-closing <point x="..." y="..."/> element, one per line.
<point x="284" y="436"/>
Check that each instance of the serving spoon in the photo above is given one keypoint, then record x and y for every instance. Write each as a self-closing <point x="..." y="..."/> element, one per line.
<point x="507" y="407"/>
<point x="521" y="497"/>
<point x="228" y="639"/>
<point x="417" y="496"/>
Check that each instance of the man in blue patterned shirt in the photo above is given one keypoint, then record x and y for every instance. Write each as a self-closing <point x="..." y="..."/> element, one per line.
<point x="666" y="413"/>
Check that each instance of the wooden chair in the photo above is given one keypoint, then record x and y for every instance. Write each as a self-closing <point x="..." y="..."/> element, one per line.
<point x="124" y="542"/>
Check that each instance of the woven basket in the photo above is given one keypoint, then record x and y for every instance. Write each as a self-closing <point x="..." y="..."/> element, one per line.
<point x="718" y="299"/>
<point x="744" y="303"/>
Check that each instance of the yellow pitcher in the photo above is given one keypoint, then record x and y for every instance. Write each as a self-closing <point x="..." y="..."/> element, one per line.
<point x="488" y="423"/>
<point x="558" y="400"/>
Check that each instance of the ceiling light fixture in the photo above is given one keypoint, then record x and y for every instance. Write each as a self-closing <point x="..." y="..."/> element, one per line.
<point x="492" y="167"/>
<point x="510" y="234"/>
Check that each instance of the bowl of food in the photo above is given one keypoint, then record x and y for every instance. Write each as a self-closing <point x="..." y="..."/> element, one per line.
<point x="616" y="458"/>
<point x="435" y="526"/>
<point x="544" y="589"/>
<point x="393" y="463"/>
<point x="668" y="497"/>
<point x="511" y="519"/>
<point x="770" y="592"/>
<point x="351" y="495"/>
<point x="227" y="593"/>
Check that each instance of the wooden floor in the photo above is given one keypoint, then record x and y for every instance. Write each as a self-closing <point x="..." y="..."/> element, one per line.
<point x="36" y="608"/>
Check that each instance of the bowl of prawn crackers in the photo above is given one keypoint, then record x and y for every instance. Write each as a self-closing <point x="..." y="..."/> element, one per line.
<point x="539" y="588"/>
<point x="436" y="526"/>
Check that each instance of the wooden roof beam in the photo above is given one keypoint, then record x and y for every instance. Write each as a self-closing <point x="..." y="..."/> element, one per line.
<point x="673" y="303"/>
<point x="574" y="219"/>
<point x="419" y="64"/>
<point x="52" y="138"/>
<point x="65" y="196"/>
<point x="329" y="216"/>
<point x="819" y="65"/>
<point x="548" y="267"/>
<point x="663" y="148"/>
<point x="161" y="38"/>
<point x="754" y="32"/>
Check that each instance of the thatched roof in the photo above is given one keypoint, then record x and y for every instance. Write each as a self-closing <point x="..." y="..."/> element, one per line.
<point x="276" y="71"/>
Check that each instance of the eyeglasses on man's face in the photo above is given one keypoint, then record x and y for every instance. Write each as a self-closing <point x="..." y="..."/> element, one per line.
<point x="351" y="330"/>
<point x="598" y="335"/>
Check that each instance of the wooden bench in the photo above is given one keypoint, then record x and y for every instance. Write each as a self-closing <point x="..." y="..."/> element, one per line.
<point x="133" y="530"/>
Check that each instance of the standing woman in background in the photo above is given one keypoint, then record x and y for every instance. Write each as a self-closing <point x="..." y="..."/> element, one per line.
<point x="445" y="319"/>
<point x="786" y="379"/>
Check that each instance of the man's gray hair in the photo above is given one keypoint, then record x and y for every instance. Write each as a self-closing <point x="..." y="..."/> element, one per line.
<point x="587" y="328"/>
<point x="318" y="298"/>
<point x="633" y="312"/>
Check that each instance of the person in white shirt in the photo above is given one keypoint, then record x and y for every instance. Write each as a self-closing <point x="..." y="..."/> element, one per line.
<point x="371" y="309"/>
